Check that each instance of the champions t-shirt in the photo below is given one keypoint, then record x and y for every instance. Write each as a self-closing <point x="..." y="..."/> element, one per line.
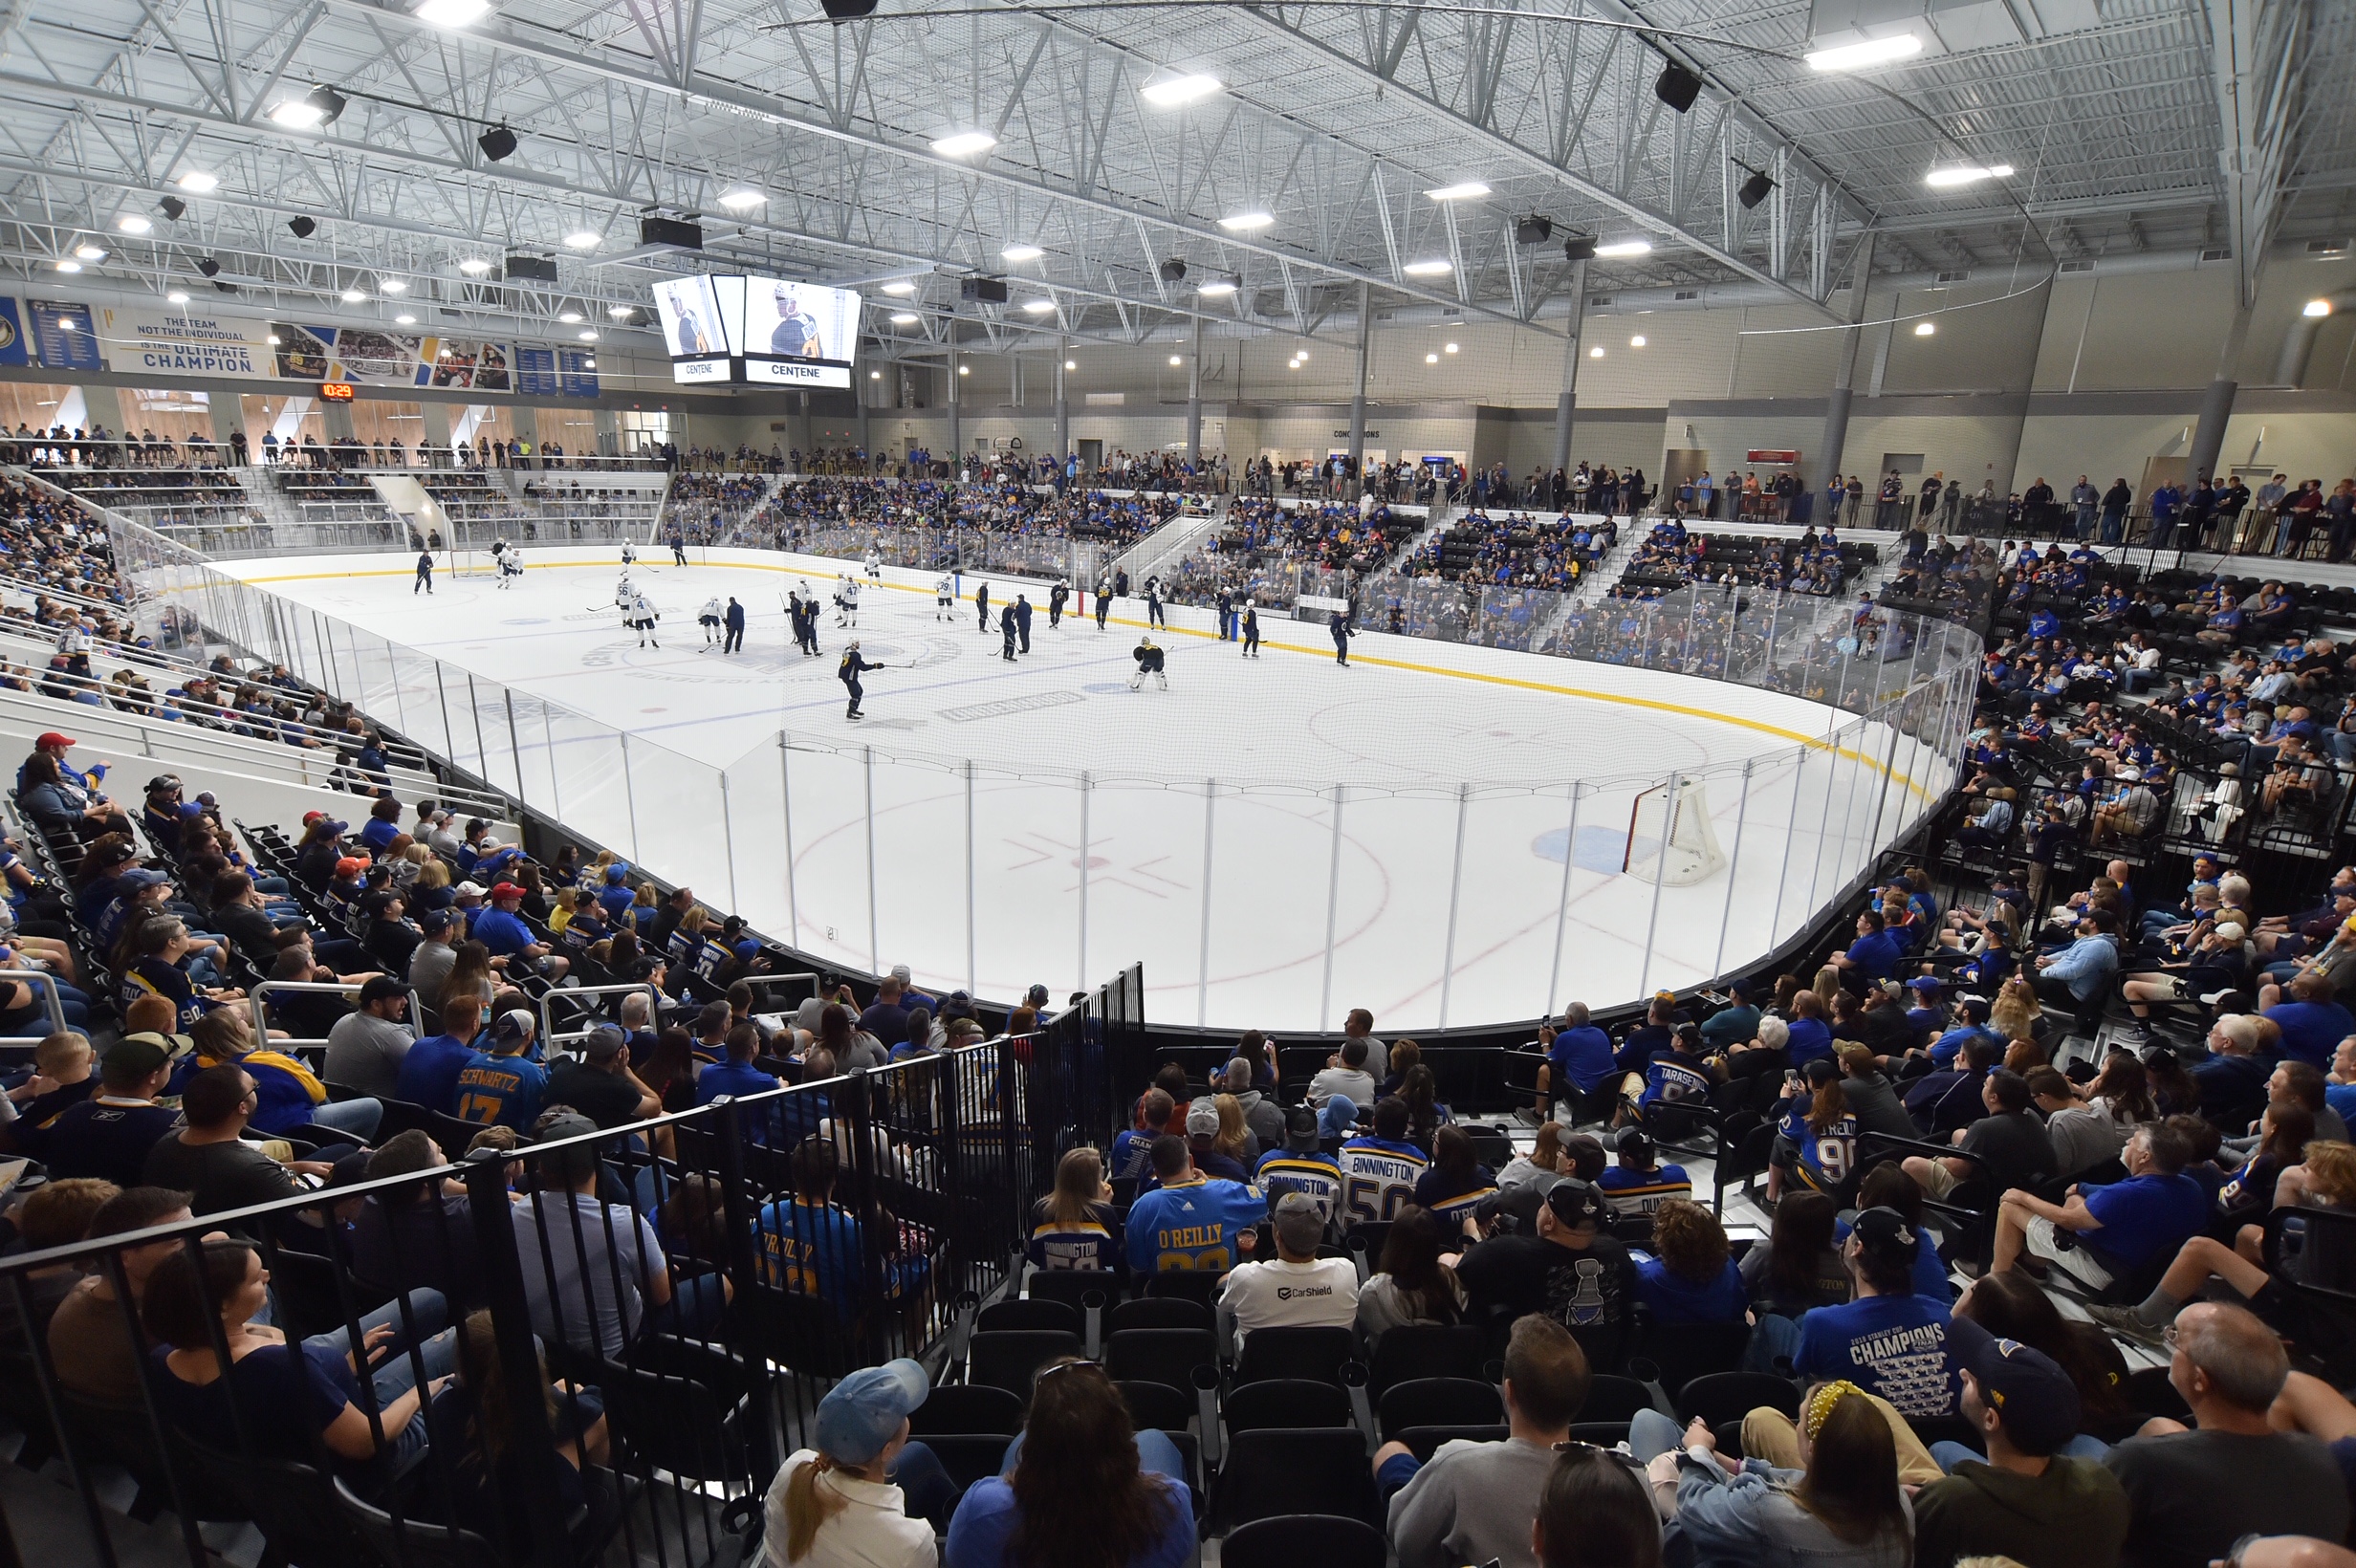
<point x="1194" y="1226"/>
<point x="1892" y="1345"/>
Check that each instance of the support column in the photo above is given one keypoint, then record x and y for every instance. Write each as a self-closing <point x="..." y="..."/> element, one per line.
<point x="338" y="418"/>
<point x="956" y="443"/>
<point x="2216" y="404"/>
<point x="809" y="431"/>
<point x="228" y="412"/>
<point x="1567" y="401"/>
<point x="1194" y="397"/>
<point x="437" y="427"/>
<point x="1063" y="404"/>
<point x="609" y="428"/>
<point x="1357" y="402"/>
<point x="1843" y="371"/>
<point x="866" y="398"/>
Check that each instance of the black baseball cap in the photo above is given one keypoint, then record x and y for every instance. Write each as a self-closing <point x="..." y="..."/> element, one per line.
<point x="1884" y="1233"/>
<point x="1577" y="1204"/>
<point x="2025" y="1387"/>
<point x="1301" y="1130"/>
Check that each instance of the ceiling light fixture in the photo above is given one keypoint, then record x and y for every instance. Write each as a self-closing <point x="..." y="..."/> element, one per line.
<point x="1624" y="247"/>
<point x="1431" y="358"/>
<point x="1637" y="342"/>
<point x="905" y="318"/>
<point x="1871" y="52"/>
<point x="498" y="143"/>
<point x="1577" y="248"/>
<point x="1038" y="307"/>
<point x="274" y="339"/>
<point x="199" y="182"/>
<point x="1071" y="364"/>
<point x="2316" y="308"/>
<point x="581" y="239"/>
<point x="322" y="106"/>
<point x="69" y="266"/>
<point x="900" y="290"/>
<point x="965" y="370"/>
<point x="964" y="143"/>
<point x="474" y="266"/>
<point x="393" y="285"/>
<point x="453" y="13"/>
<point x="1466" y="192"/>
<point x="1447" y="348"/>
<point x="1965" y="174"/>
<point x="1218" y="287"/>
<point x="177" y="297"/>
<point x="622" y="313"/>
<point x="742" y="199"/>
<point x="571" y="318"/>
<point x="131" y="222"/>
<point x="1924" y="328"/>
<point x="1248" y="222"/>
<point x="1176" y="360"/>
<point x="1596" y="353"/>
<point x="1022" y="254"/>
<point x="1428" y="269"/>
<point x="404" y="319"/>
<point x="875" y="374"/>
<point x="90" y="252"/>
<point x="1171" y="92"/>
<point x="353" y="297"/>
<point x="588" y="334"/>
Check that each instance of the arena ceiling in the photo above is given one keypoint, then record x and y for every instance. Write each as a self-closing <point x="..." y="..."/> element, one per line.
<point x="2127" y="125"/>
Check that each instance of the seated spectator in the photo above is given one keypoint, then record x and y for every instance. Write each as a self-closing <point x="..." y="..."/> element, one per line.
<point x="1295" y="1289"/>
<point x="598" y="1082"/>
<point x="429" y="1069"/>
<point x="290" y="1393"/>
<point x="1889" y="1341"/>
<point x="64" y="1073"/>
<point x="91" y="1348"/>
<point x="1076" y="1227"/>
<point x="1944" y="1102"/>
<point x="2116" y="1229"/>
<point x="504" y="1086"/>
<point x="2011" y="1145"/>
<point x="2025" y="1500"/>
<point x="1081" y="1485"/>
<point x="1413" y="1282"/>
<point x="365" y="1047"/>
<point x="1543" y="1164"/>
<point x="1639" y="1183"/>
<point x="1578" y="1057"/>
<point x="2193" y="1494"/>
<point x="1457" y="1182"/>
<point x="289" y="1094"/>
<point x="1815" y="1142"/>
<point x="2081" y="1137"/>
<point x="1846" y="1507"/>
<point x="108" y="1134"/>
<point x="863" y="1493"/>
<point x="56" y="1214"/>
<point x="420" y="1235"/>
<point x="811" y="1244"/>
<point x="490" y="1475"/>
<point x="1301" y="1164"/>
<point x="1345" y="1074"/>
<point x="1571" y="1267"/>
<point x="1475" y="1502"/>
<point x="2081" y="971"/>
<point x="1203" y="1144"/>
<point x="1189" y="1220"/>
<point x="2013" y="1306"/>
<point x="1799" y="1267"/>
<point x="1691" y="1277"/>
<point x="209" y="1158"/>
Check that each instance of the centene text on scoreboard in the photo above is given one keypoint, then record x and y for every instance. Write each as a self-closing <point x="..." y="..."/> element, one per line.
<point x="797" y="372"/>
<point x="700" y="370"/>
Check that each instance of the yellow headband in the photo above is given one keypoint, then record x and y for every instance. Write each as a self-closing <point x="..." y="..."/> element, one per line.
<point x="1813" y="1414"/>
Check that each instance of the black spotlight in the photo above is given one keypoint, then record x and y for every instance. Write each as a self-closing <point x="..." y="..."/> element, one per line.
<point x="1173" y="271"/>
<point x="173" y="207"/>
<point x="225" y="287"/>
<point x="1755" y="189"/>
<point x="1534" y="230"/>
<point x="847" y="11"/>
<point x="1677" y="87"/>
<point x="208" y="267"/>
<point x="329" y="103"/>
<point x="1578" y="248"/>
<point x="496" y="143"/>
<point x="301" y="228"/>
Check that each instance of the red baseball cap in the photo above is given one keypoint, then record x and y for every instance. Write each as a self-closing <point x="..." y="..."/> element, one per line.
<point x="350" y="866"/>
<point x="507" y="890"/>
<point x="53" y="738"/>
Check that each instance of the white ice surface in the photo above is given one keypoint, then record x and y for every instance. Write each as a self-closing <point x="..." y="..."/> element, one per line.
<point x="977" y="764"/>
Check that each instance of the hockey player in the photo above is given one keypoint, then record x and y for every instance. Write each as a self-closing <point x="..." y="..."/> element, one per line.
<point x="1153" y="602"/>
<point x="708" y="618"/>
<point x="1006" y="630"/>
<point x="510" y="565"/>
<point x="1149" y="662"/>
<point x="852" y="668"/>
<point x="850" y="601"/>
<point x="1104" y="601"/>
<point x="944" y="597"/>
<point x="803" y="606"/>
<point x="678" y="541"/>
<point x="639" y="617"/>
<point x="425" y="574"/>
<point x="875" y="563"/>
<point x="1057" y="598"/>
<point x="1021" y="612"/>
<point x="1251" y="630"/>
<point x="629" y="555"/>
<point x="1342" y="640"/>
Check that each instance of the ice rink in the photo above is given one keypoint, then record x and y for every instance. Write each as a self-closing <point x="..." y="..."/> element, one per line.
<point x="992" y="824"/>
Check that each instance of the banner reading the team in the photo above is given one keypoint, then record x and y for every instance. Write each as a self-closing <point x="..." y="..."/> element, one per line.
<point x="186" y="344"/>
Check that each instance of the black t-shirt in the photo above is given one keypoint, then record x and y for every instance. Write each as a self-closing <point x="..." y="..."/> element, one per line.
<point x="250" y="930"/>
<point x="1586" y="1287"/>
<point x="95" y="1138"/>
<point x="222" y="1176"/>
<point x="2193" y="1494"/>
<point x="602" y="1097"/>
<point x="2014" y="1143"/>
<point x="391" y="942"/>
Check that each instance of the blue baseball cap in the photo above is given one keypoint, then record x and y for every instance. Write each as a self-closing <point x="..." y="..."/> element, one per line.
<point x="862" y="1413"/>
<point x="142" y="876"/>
<point x="616" y="872"/>
<point x="748" y="949"/>
<point x="2031" y="1394"/>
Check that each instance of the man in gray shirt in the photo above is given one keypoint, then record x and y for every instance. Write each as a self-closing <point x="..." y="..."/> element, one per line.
<point x="430" y="961"/>
<point x="1264" y="1117"/>
<point x="1360" y="1026"/>
<point x="364" y="1047"/>
<point x="1475" y="1502"/>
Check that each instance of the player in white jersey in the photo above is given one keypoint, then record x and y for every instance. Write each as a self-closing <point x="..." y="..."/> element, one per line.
<point x="640" y="615"/>
<point x="849" y="603"/>
<point x="708" y="618"/>
<point x="510" y="562"/>
<point x="629" y="555"/>
<point x="944" y="597"/>
<point x="875" y="563"/>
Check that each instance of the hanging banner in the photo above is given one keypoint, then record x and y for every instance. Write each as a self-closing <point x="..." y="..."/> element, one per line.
<point x="186" y="344"/>
<point x="577" y="373"/>
<point x="372" y="357"/>
<point x="535" y="371"/>
<point x="13" y="345"/>
<point x="62" y="333"/>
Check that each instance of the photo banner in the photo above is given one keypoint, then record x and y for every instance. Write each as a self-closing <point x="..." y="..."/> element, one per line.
<point x="63" y="335"/>
<point x="186" y="344"/>
<point x="368" y="357"/>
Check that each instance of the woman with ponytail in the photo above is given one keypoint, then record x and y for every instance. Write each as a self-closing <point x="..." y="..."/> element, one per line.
<point x="865" y="1497"/>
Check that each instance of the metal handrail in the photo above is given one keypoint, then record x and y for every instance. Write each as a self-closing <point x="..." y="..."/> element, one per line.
<point x="261" y="1031"/>
<point x="548" y="1026"/>
<point x="46" y="986"/>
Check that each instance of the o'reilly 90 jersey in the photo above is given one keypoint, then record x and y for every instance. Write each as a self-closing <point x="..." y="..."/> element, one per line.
<point x="1192" y="1226"/>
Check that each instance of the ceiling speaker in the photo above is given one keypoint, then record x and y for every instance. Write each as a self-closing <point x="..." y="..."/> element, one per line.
<point x="1678" y="87"/>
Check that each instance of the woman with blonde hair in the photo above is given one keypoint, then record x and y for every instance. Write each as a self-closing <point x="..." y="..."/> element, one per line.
<point x="2016" y="1011"/>
<point x="1233" y="1139"/>
<point x="1827" y="986"/>
<point x="1846" y="1510"/>
<point x="861" y="1493"/>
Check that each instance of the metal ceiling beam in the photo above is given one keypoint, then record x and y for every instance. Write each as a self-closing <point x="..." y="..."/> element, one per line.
<point x="2252" y="43"/>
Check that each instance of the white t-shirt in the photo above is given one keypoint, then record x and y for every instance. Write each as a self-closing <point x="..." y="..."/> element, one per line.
<point x="874" y="1531"/>
<point x="1285" y="1295"/>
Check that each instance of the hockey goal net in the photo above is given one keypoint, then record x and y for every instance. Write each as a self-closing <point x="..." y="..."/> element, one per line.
<point x="1671" y="840"/>
<point x="470" y="561"/>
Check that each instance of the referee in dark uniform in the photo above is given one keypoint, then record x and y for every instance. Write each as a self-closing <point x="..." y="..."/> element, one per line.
<point x="735" y="628"/>
<point x="1341" y="637"/>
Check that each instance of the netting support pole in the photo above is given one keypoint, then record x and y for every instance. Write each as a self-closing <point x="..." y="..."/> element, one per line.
<point x="875" y="955"/>
<point x="1824" y="830"/>
<point x="1881" y="801"/>
<point x="785" y="800"/>
<point x="1733" y="865"/>
<point x="1660" y="872"/>
<point x="1087" y="788"/>
<point x="1333" y="914"/>
<point x="630" y="793"/>
<point x="973" y="968"/>
<point x="443" y="690"/>
<point x="548" y="737"/>
<point x="515" y="750"/>
<point x="1562" y="904"/>
<point x="1202" y="970"/>
<point x="728" y="841"/>
<point x="1455" y="892"/>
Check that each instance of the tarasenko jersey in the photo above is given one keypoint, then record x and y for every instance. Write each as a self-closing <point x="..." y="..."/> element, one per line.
<point x="1378" y="1178"/>
<point x="1316" y="1173"/>
<point x="1193" y="1227"/>
<point x="1672" y="1080"/>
